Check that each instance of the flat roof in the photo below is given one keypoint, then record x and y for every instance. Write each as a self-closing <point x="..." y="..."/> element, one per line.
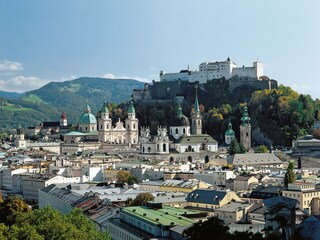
<point x="165" y="215"/>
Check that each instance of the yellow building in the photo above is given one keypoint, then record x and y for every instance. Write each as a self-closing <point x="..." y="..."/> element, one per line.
<point x="306" y="194"/>
<point x="210" y="199"/>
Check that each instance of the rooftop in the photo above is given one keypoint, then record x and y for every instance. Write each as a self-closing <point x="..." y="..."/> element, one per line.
<point x="164" y="216"/>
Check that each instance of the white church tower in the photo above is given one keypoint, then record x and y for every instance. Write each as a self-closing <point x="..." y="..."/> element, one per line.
<point x="63" y="120"/>
<point x="196" y="118"/>
<point x="20" y="141"/>
<point x="131" y="124"/>
<point x="104" y="124"/>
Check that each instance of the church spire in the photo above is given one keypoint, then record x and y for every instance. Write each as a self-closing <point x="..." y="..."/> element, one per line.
<point x="245" y="119"/>
<point x="196" y="103"/>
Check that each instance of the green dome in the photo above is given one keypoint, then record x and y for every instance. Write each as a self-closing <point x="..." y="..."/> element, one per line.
<point x="229" y="131"/>
<point x="245" y="119"/>
<point x="104" y="108"/>
<point x="87" y="117"/>
<point x="131" y="108"/>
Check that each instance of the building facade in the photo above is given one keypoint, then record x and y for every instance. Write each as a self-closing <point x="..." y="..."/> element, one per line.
<point x="215" y="70"/>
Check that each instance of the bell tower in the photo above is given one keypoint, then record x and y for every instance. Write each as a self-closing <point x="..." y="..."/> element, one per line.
<point x="131" y="124"/>
<point x="196" y="118"/>
<point x="245" y="129"/>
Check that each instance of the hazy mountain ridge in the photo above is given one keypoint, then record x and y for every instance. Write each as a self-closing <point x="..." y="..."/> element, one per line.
<point x="10" y="95"/>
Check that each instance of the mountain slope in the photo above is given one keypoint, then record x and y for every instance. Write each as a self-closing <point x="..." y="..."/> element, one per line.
<point x="47" y="102"/>
<point x="10" y="95"/>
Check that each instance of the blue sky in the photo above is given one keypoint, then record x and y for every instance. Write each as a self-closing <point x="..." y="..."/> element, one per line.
<point x="42" y="41"/>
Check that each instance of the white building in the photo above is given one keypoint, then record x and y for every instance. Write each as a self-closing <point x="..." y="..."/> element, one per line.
<point x="215" y="70"/>
<point x="215" y="177"/>
<point x="125" y="133"/>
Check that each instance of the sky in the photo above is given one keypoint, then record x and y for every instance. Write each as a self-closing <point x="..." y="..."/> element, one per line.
<point x="43" y="41"/>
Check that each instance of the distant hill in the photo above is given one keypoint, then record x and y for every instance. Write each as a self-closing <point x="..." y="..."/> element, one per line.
<point x="47" y="102"/>
<point x="10" y="95"/>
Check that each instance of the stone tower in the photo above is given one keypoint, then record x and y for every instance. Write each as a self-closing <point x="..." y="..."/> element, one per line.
<point x="20" y="142"/>
<point x="245" y="129"/>
<point x="131" y="124"/>
<point x="196" y="118"/>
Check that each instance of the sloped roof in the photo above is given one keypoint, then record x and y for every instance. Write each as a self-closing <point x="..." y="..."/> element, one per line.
<point x="207" y="196"/>
<point x="275" y="202"/>
<point x="194" y="139"/>
<point x="254" y="159"/>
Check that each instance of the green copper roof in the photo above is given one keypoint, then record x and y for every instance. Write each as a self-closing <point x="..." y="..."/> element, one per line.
<point x="104" y="108"/>
<point x="131" y="108"/>
<point x="196" y="104"/>
<point x="87" y="117"/>
<point x="229" y="131"/>
<point x="179" y="111"/>
<point x="245" y="117"/>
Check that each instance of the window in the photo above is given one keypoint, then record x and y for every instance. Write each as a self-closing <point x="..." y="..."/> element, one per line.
<point x="176" y="130"/>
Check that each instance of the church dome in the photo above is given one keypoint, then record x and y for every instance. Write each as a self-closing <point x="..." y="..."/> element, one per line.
<point x="229" y="131"/>
<point x="87" y="117"/>
<point x="63" y="115"/>
<point x="131" y="108"/>
<point x="180" y="119"/>
<point x="104" y="108"/>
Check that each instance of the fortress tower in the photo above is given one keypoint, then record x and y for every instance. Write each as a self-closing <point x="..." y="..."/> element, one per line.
<point x="245" y="129"/>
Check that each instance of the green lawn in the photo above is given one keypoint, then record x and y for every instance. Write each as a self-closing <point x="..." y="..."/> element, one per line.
<point x="14" y="108"/>
<point x="32" y="98"/>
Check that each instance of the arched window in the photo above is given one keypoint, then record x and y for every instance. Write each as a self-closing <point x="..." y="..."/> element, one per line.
<point x="164" y="147"/>
<point x="206" y="159"/>
<point x="143" y="150"/>
<point x="149" y="149"/>
<point x="190" y="159"/>
<point x="189" y="148"/>
<point x="176" y="130"/>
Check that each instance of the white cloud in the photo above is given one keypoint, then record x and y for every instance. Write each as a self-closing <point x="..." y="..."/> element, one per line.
<point x="141" y="79"/>
<point x="22" y="83"/>
<point x="8" y="66"/>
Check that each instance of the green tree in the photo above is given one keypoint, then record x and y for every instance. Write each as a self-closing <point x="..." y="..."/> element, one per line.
<point x="261" y="149"/>
<point x="234" y="147"/>
<point x="124" y="176"/>
<point x="142" y="199"/>
<point x="11" y="208"/>
<point x="213" y="228"/>
<point x="289" y="176"/>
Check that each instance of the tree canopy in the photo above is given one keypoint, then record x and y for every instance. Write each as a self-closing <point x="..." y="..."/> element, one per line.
<point x="44" y="224"/>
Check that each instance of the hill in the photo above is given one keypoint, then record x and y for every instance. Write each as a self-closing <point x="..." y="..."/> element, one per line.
<point x="10" y="95"/>
<point x="47" y="102"/>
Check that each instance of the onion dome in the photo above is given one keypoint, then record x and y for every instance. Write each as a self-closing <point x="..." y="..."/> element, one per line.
<point x="87" y="117"/>
<point x="229" y="131"/>
<point x="180" y="119"/>
<point x="104" y="108"/>
<point x="131" y="108"/>
<point x="63" y="115"/>
<point x="245" y="119"/>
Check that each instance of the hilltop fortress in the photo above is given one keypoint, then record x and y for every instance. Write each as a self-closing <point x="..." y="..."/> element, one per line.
<point x="215" y="70"/>
<point x="175" y="85"/>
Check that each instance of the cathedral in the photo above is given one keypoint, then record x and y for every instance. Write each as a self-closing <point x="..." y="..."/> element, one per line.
<point x="101" y="129"/>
